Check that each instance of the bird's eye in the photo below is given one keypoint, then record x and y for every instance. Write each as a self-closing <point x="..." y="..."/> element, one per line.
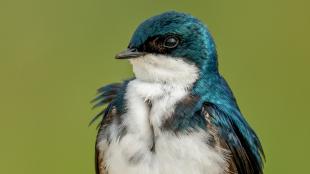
<point x="171" y="42"/>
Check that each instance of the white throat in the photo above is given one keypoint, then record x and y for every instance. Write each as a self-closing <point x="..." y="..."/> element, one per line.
<point x="164" y="69"/>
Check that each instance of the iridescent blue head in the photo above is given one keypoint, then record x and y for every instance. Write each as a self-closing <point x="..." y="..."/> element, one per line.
<point x="176" y="35"/>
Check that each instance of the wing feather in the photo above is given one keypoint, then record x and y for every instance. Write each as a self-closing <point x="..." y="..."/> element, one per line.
<point x="219" y="142"/>
<point x="244" y="159"/>
<point x="110" y="96"/>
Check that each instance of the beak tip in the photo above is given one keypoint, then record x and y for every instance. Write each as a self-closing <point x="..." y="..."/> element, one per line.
<point x="128" y="54"/>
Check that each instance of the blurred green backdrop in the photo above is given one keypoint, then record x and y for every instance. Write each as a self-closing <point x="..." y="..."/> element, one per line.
<point x="54" y="54"/>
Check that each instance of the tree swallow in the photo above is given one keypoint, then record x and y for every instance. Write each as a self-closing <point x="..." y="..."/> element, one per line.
<point x="177" y="115"/>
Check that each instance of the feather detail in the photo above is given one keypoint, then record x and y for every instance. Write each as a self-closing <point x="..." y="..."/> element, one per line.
<point x="106" y="95"/>
<point x="245" y="158"/>
<point x="100" y="165"/>
<point x="219" y="143"/>
<point x="218" y="100"/>
<point x="112" y="96"/>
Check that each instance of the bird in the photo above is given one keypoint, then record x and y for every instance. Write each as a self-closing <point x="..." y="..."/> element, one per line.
<point x="177" y="114"/>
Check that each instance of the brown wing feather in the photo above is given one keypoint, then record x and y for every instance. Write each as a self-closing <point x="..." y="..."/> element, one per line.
<point x="100" y="163"/>
<point x="219" y="142"/>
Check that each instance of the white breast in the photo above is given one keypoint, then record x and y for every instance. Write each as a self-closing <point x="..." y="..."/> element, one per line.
<point x="183" y="154"/>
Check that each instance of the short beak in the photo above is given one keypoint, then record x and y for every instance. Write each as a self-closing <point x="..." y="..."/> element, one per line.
<point x="129" y="54"/>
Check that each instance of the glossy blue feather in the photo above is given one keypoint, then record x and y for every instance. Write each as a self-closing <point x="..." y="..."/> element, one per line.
<point x="212" y="91"/>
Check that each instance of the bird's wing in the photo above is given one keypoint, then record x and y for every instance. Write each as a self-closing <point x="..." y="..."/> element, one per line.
<point x="111" y="96"/>
<point x="108" y="115"/>
<point x="100" y="164"/>
<point x="219" y="142"/>
<point x="242" y="160"/>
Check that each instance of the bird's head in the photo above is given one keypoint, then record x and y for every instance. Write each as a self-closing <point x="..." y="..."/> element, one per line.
<point x="171" y="47"/>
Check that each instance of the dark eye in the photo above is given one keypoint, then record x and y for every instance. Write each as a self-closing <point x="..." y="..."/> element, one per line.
<point x="171" y="42"/>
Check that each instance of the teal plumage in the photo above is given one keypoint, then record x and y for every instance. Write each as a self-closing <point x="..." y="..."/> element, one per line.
<point x="210" y="92"/>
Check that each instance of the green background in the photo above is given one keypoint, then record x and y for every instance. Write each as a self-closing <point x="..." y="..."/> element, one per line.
<point x="54" y="54"/>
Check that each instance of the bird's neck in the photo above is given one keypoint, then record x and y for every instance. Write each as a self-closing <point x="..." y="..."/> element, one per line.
<point x="171" y="85"/>
<point x="160" y="69"/>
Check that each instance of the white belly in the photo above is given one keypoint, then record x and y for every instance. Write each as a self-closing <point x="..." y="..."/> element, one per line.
<point x="187" y="154"/>
<point x="182" y="154"/>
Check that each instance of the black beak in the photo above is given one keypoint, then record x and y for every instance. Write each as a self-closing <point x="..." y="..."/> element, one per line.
<point x="129" y="54"/>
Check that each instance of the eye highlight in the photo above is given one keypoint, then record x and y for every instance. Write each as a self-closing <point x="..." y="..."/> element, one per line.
<point x="171" y="42"/>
